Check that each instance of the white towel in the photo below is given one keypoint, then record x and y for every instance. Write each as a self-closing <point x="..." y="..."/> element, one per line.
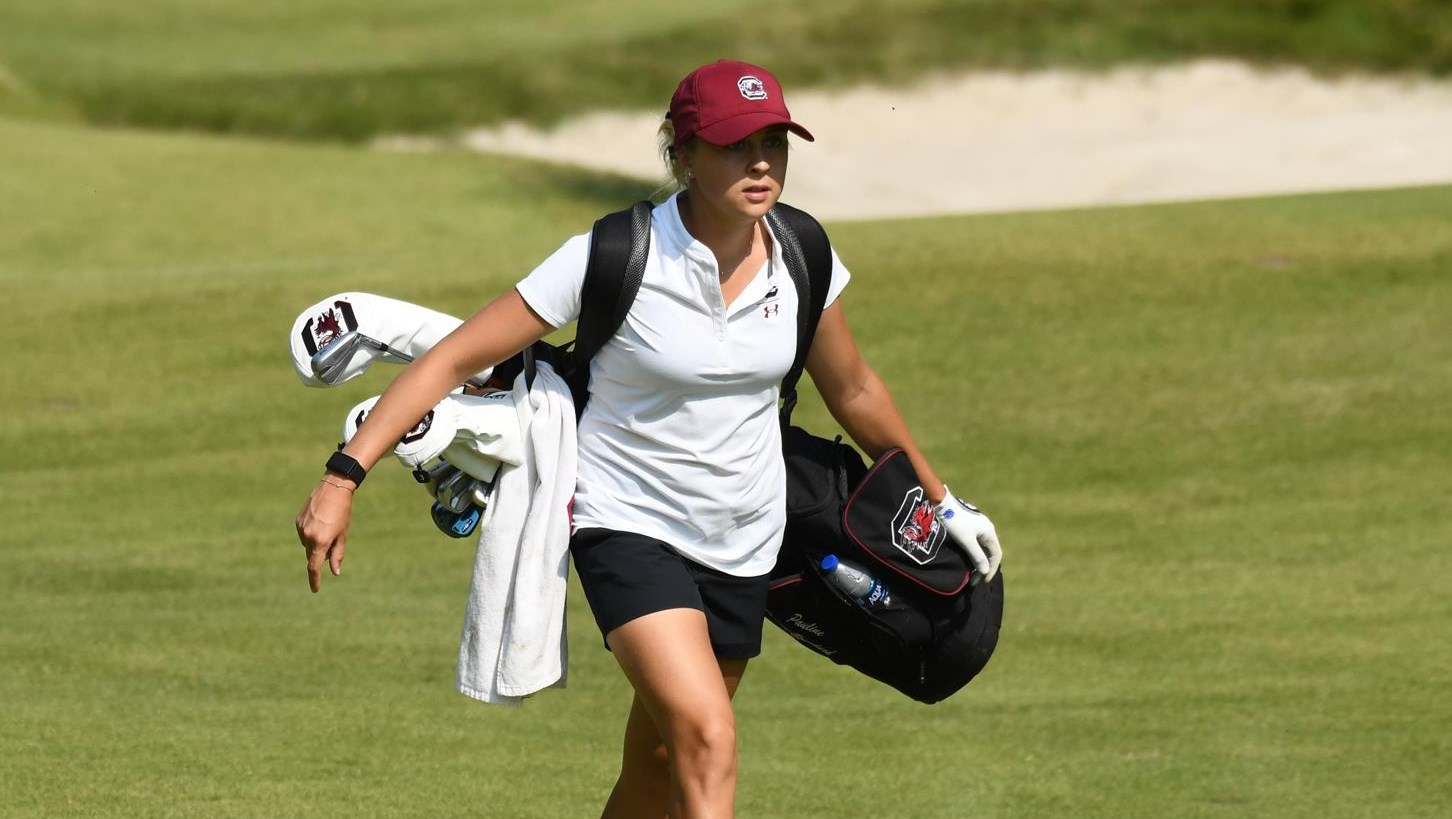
<point x="514" y="641"/>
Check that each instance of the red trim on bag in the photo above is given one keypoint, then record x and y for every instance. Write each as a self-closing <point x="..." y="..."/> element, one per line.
<point x="846" y="527"/>
<point x="784" y="582"/>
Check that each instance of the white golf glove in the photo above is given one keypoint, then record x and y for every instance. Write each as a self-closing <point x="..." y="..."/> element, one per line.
<point x="973" y="532"/>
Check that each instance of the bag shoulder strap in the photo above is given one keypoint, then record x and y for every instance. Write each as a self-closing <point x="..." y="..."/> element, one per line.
<point x="619" y="244"/>
<point x="808" y="256"/>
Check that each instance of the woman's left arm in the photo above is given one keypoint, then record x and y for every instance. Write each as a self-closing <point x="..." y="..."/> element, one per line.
<point x="861" y="403"/>
<point x="859" y="400"/>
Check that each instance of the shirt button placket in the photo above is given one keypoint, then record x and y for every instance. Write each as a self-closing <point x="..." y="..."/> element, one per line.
<point x="717" y="299"/>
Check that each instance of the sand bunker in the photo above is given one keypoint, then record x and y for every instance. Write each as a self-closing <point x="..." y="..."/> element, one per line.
<point x="999" y="142"/>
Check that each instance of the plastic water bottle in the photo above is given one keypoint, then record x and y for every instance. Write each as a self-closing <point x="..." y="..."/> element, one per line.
<point x="856" y="582"/>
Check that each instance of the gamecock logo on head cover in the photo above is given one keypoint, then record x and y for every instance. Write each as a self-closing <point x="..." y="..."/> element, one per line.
<point x="419" y="430"/>
<point x="916" y="531"/>
<point x="412" y="436"/>
<point x="324" y="328"/>
<point x="752" y="88"/>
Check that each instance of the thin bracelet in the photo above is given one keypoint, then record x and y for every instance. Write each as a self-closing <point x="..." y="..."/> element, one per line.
<point x="333" y="483"/>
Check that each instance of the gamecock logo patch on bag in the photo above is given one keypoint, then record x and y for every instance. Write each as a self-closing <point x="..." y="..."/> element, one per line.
<point x="915" y="529"/>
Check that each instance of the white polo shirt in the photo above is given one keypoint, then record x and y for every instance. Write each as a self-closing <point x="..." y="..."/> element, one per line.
<point x="681" y="439"/>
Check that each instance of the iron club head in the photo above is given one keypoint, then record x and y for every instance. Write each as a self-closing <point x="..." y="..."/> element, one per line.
<point x="330" y="364"/>
<point x="455" y="491"/>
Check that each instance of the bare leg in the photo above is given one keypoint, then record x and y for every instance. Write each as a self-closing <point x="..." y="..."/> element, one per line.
<point x="679" y="756"/>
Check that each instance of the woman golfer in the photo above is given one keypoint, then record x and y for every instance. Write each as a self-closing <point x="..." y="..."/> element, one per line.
<point x="680" y="501"/>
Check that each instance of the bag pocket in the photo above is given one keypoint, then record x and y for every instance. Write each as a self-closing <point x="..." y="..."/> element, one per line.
<point x="890" y="519"/>
<point x="819" y="475"/>
<point x="888" y="643"/>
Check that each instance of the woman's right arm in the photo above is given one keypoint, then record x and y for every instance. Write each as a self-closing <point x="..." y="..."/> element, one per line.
<point x="502" y="328"/>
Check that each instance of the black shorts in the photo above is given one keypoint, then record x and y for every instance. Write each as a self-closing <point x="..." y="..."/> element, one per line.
<point x="626" y="575"/>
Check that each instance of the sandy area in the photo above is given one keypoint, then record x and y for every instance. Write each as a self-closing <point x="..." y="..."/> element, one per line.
<point x="997" y="141"/>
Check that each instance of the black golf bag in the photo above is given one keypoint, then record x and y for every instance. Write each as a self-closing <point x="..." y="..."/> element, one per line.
<point x="938" y="630"/>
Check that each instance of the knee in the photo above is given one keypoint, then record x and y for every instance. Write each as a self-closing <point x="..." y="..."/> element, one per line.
<point x="706" y="747"/>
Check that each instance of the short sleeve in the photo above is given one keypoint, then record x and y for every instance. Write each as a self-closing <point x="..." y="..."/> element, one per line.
<point x="840" y="276"/>
<point x="553" y="289"/>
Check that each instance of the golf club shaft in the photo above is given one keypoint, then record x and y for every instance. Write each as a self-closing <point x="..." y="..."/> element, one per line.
<point x="405" y="357"/>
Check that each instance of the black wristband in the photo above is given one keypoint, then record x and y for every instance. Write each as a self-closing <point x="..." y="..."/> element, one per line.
<point x="347" y="466"/>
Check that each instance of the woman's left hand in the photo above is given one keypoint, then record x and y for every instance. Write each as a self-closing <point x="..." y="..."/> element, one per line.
<point x="973" y="532"/>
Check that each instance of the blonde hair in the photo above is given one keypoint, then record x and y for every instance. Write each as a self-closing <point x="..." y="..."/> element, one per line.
<point x="675" y="179"/>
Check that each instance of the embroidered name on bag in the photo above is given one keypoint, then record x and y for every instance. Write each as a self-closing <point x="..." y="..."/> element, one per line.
<point x="797" y="622"/>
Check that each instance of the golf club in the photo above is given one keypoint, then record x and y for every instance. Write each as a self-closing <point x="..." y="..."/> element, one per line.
<point x="455" y="492"/>
<point x="481" y="492"/>
<point x="331" y="362"/>
<point x="456" y="524"/>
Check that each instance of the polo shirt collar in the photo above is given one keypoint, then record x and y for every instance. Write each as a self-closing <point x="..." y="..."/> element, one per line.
<point x="674" y="239"/>
<point x="677" y="241"/>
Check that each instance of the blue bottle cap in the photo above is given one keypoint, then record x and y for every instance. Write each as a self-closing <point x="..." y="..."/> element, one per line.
<point x="829" y="563"/>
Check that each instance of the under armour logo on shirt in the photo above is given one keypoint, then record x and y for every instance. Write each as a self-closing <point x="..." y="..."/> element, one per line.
<point x="770" y="310"/>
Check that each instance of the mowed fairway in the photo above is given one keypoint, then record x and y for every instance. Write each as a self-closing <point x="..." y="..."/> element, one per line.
<point x="1214" y="437"/>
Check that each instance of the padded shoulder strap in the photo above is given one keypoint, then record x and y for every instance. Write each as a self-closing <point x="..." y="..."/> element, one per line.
<point x="808" y="257"/>
<point x="619" y="244"/>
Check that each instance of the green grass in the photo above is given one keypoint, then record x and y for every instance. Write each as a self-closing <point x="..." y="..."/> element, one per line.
<point x="327" y="69"/>
<point x="1213" y="437"/>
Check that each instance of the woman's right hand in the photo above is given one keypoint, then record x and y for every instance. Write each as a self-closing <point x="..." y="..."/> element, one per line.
<point x="322" y="526"/>
<point x="503" y="327"/>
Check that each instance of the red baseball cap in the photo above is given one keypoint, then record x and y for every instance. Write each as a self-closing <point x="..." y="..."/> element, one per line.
<point x="727" y="101"/>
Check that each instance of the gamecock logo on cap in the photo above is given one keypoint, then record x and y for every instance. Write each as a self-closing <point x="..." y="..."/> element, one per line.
<point x="752" y="88"/>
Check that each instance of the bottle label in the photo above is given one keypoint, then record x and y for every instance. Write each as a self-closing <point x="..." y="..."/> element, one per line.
<point x="876" y="596"/>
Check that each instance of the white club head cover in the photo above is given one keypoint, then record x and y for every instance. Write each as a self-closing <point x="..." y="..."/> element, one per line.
<point x="421" y="445"/>
<point x="973" y="533"/>
<point x="475" y="433"/>
<point x="407" y="327"/>
<point x="356" y="416"/>
<point x="486" y="433"/>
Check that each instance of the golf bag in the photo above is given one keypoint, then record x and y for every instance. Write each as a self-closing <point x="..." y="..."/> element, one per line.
<point x="939" y="629"/>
